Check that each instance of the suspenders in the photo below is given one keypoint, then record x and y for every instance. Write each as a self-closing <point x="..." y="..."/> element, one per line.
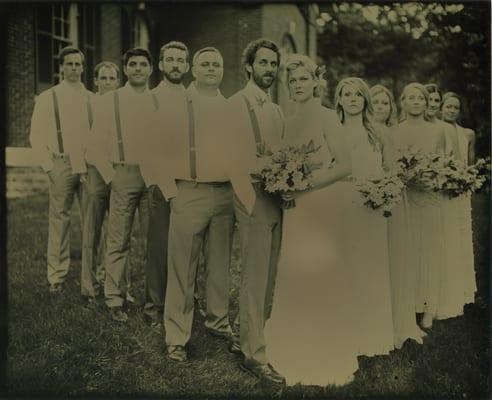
<point x="118" y="125"/>
<point x="116" y="97"/>
<point x="57" y="119"/>
<point x="191" y="133"/>
<point x="254" y="123"/>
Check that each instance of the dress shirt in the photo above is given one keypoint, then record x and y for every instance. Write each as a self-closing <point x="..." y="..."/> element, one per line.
<point x="138" y="123"/>
<point x="171" y="155"/>
<point x="74" y="124"/>
<point x="243" y="158"/>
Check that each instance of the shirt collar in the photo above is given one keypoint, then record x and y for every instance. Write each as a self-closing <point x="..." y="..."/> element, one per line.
<point x="79" y="87"/>
<point x="164" y="86"/>
<point x="254" y="93"/>
<point x="194" y="93"/>
<point x="128" y="89"/>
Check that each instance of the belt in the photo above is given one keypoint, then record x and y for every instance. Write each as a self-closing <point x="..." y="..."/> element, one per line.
<point x="61" y="156"/>
<point x="194" y="183"/>
<point x="123" y="164"/>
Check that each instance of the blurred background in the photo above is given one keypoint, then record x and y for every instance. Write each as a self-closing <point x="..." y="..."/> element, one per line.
<point x="388" y="43"/>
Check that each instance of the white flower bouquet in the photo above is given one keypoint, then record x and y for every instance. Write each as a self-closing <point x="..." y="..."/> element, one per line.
<point x="444" y="174"/>
<point x="382" y="193"/>
<point x="288" y="169"/>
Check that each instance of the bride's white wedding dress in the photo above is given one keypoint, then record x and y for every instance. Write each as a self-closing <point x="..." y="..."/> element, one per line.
<point x="332" y="300"/>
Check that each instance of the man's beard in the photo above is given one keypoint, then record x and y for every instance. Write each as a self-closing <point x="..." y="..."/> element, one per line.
<point x="173" y="79"/>
<point x="259" y="80"/>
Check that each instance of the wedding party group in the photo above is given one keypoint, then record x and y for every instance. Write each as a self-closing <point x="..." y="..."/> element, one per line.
<point x="354" y="224"/>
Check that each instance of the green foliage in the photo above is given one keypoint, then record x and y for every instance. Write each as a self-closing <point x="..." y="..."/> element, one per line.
<point x="398" y="43"/>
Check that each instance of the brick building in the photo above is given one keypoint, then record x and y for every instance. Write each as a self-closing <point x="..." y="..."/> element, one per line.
<point x="104" y="31"/>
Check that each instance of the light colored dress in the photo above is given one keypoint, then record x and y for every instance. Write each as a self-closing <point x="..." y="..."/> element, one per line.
<point x="469" y="280"/>
<point x="403" y="275"/>
<point x="332" y="301"/>
<point x="426" y="254"/>
<point x="458" y="277"/>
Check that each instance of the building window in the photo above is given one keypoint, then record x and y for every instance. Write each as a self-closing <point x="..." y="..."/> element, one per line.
<point x="54" y="30"/>
<point x="57" y="26"/>
<point x="140" y="32"/>
<point x="88" y="29"/>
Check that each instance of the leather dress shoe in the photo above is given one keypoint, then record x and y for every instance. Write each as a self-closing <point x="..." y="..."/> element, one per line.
<point x="218" y="334"/>
<point x="177" y="353"/>
<point x="262" y="371"/>
<point x="118" y="314"/>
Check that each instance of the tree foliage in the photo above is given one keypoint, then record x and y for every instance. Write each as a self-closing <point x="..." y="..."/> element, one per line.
<point x="397" y="43"/>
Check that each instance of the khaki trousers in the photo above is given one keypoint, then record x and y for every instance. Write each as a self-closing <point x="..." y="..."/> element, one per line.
<point x="156" y="265"/>
<point x="260" y="237"/>
<point x="128" y="192"/>
<point x="199" y="208"/>
<point x="62" y="188"/>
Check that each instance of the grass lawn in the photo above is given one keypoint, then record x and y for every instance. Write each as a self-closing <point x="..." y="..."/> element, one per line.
<point x="58" y="346"/>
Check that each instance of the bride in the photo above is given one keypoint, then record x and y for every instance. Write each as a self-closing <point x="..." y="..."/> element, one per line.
<point x="332" y="301"/>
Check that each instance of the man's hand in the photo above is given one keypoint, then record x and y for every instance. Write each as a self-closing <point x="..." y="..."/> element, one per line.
<point x="83" y="177"/>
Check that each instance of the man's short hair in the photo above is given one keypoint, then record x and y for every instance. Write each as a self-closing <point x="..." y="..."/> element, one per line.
<point x="136" y="51"/>
<point x="204" y="50"/>
<point x="69" y="50"/>
<point x="106" y="64"/>
<point x="251" y="49"/>
<point x="175" y="45"/>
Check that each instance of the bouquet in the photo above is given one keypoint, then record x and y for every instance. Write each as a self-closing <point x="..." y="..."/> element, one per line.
<point x="421" y="172"/>
<point x="287" y="170"/>
<point x="382" y="193"/>
<point x="440" y="173"/>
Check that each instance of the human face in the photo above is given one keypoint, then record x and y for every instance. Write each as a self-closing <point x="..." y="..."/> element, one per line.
<point x="208" y="69"/>
<point x="351" y="100"/>
<point x="264" y="68"/>
<point x="138" y="70"/>
<point x="174" y="65"/>
<point x="301" y="85"/>
<point x="72" y="67"/>
<point x="451" y="109"/>
<point x="106" y="80"/>
<point x="434" y="104"/>
<point x="414" y="102"/>
<point x="381" y="105"/>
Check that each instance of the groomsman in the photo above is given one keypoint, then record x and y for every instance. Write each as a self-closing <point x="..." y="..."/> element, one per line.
<point x="174" y="64"/>
<point x="106" y="79"/>
<point x="257" y="122"/>
<point x="201" y="202"/>
<point x="61" y="120"/>
<point x="123" y="118"/>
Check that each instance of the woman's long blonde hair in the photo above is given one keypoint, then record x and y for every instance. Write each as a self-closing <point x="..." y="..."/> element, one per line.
<point x="367" y="111"/>
<point x="377" y="89"/>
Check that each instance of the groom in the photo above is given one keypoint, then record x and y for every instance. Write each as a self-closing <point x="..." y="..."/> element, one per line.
<point x="257" y="121"/>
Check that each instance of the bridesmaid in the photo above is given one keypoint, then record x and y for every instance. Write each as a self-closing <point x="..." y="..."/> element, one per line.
<point x="451" y="107"/>
<point x="452" y="294"/>
<point x="426" y="252"/>
<point x="384" y="106"/>
<point x="402" y="273"/>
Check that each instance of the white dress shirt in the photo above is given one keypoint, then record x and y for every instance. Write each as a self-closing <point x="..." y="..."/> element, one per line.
<point x="169" y="159"/>
<point x="74" y="124"/>
<point x="137" y="113"/>
<point x="243" y="159"/>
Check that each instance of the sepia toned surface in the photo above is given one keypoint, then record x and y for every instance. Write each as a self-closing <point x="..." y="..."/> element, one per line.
<point x="60" y="347"/>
